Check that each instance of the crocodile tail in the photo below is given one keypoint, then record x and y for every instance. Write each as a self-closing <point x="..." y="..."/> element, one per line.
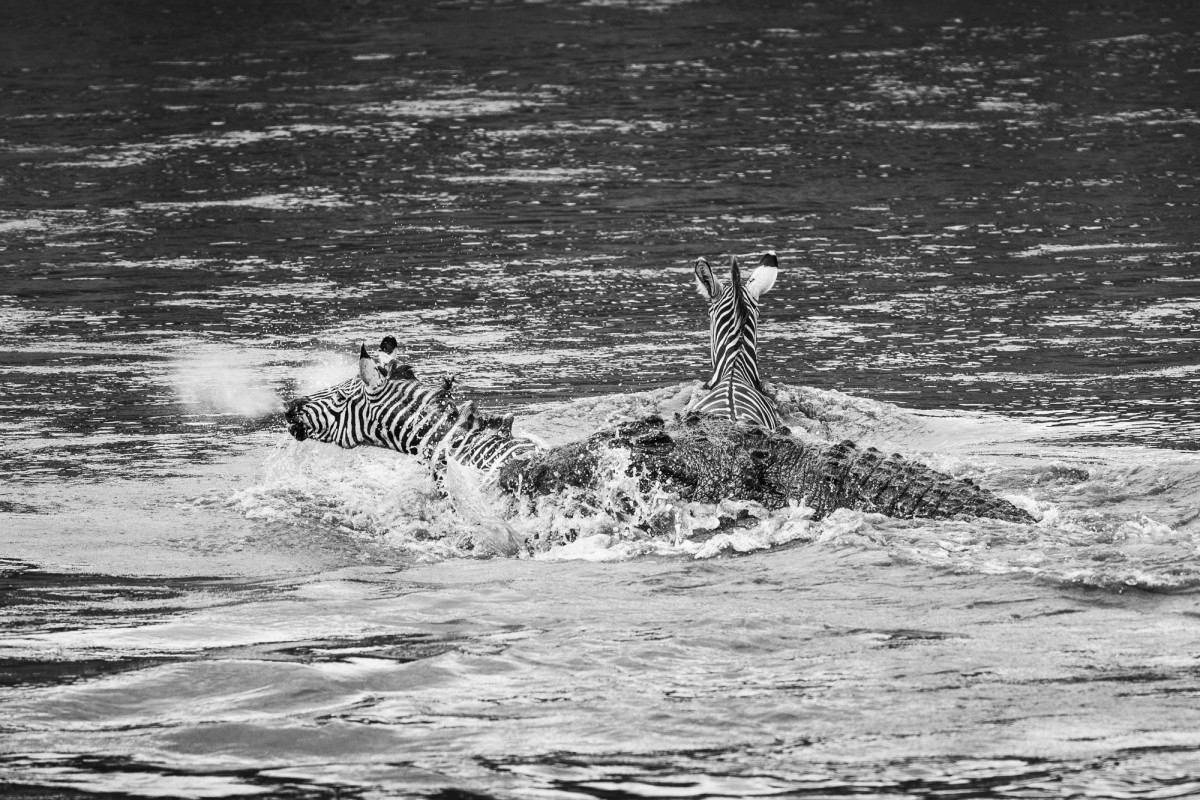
<point x="866" y="480"/>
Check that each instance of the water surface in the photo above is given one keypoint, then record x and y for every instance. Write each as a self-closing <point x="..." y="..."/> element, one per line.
<point x="986" y="221"/>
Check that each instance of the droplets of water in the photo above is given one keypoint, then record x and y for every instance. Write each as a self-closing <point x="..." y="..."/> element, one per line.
<point x="216" y="382"/>
<point x="372" y="496"/>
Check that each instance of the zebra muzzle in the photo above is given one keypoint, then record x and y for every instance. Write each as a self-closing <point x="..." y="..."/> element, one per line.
<point x="295" y="425"/>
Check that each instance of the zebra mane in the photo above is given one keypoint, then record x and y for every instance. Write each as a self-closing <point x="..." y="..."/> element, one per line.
<point x="742" y="313"/>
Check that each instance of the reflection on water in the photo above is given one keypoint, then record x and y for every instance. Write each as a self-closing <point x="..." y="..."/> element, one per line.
<point x="986" y="218"/>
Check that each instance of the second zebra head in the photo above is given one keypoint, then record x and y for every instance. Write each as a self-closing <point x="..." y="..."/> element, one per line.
<point x="735" y="387"/>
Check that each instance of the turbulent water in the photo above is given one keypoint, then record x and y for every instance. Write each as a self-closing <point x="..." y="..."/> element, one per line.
<point x="986" y="221"/>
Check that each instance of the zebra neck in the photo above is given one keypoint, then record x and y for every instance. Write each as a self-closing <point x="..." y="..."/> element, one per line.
<point x="424" y="422"/>
<point x="738" y="364"/>
<point x="734" y="336"/>
<point x="739" y="401"/>
<point x="409" y="416"/>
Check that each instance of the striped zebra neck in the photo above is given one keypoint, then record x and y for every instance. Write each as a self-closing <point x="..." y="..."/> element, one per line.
<point x="409" y="417"/>
<point x="733" y="333"/>
<point x="737" y="399"/>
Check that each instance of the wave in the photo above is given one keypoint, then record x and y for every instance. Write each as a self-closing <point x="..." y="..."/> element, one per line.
<point x="1114" y="518"/>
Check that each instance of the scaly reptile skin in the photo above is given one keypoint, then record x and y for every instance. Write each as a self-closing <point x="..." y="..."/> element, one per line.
<point x="709" y="460"/>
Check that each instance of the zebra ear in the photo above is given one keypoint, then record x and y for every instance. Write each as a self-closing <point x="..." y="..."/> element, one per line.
<point x="368" y="371"/>
<point x="466" y="415"/>
<point x="763" y="278"/>
<point x="706" y="282"/>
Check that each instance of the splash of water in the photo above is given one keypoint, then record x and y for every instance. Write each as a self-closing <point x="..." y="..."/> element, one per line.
<point x="480" y="507"/>
<point x="224" y="383"/>
<point x="1081" y="537"/>
<point x="371" y="496"/>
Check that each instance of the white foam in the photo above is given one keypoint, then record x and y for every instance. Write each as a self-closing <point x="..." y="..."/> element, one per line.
<point x="372" y="495"/>
<point x="479" y="506"/>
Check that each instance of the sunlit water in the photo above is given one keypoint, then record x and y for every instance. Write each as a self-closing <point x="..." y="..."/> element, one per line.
<point x="987" y="227"/>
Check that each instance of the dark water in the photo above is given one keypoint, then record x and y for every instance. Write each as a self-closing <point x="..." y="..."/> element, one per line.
<point x="987" y="222"/>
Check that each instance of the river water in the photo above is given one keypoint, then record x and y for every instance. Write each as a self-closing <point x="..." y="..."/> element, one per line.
<point x="987" y="225"/>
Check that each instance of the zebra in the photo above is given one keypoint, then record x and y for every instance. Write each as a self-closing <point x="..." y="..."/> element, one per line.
<point x="386" y="406"/>
<point x="735" y="390"/>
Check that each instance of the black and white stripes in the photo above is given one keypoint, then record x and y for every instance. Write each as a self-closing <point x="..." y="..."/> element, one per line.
<point x="735" y="389"/>
<point x="396" y="411"/>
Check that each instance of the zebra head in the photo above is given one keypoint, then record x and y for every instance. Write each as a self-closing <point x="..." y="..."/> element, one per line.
<point x="323" y="416"/>
<point x="733" y="316"/>
<point x="354" y="412"/>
